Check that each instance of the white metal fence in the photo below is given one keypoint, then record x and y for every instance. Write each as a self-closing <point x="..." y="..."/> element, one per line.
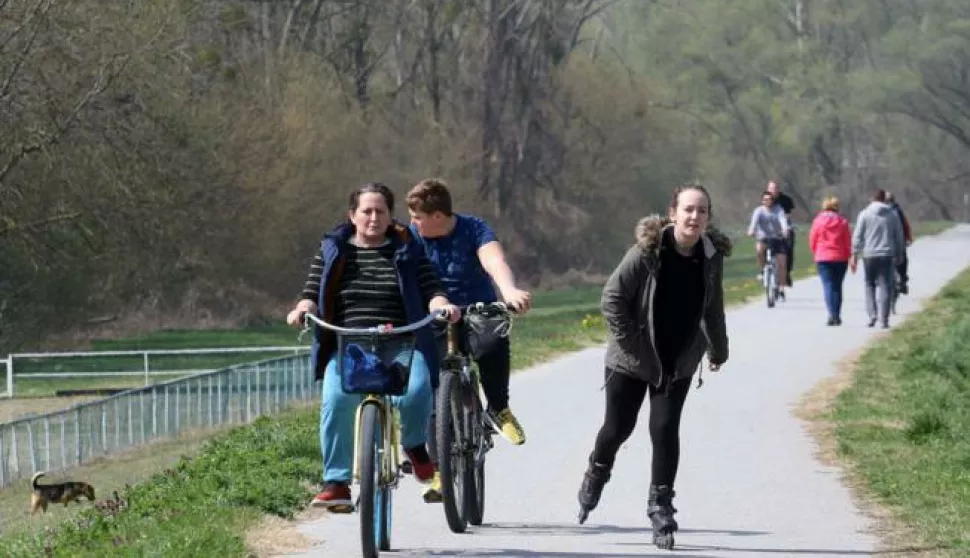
<point x="234" y="395"/>
<point x="59" y="369"/>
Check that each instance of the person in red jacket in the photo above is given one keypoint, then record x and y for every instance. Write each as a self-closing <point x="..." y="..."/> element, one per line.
<point x="831" y="243"/>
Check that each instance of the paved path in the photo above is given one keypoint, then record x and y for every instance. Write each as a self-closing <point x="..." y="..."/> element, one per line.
<point x="748" y="483"/>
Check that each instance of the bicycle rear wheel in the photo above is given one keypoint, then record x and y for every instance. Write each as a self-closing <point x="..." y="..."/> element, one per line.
<point x="372" y="507"/>
<point x="451" y="454"/>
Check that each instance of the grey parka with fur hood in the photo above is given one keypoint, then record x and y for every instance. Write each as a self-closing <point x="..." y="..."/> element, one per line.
<point x="627" y="305"/>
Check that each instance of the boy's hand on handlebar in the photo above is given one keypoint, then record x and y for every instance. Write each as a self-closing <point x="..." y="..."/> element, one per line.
<point x="518" y="300"/>
<point x="295" y="317"/>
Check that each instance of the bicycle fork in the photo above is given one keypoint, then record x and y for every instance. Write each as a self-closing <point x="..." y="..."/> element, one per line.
<point x="390" y="450"/>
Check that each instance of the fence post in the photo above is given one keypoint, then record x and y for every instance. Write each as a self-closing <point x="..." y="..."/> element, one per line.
<point x="104" y="429"/>
<point x="3" y="461"/>
<point x="31" y="447"/>
<point x="145" y="361"/>
<point x="77" y="434"/>
<point x="47" y="442"/>
<point x="10" y="375"/>
<point x="154" y="412"/>
<point x="63" y="442"/>
<point x="249" y="395"/>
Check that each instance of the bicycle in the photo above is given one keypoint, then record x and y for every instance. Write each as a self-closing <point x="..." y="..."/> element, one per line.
<point x="770" y="277"/>
<point x="378" y="467"/>
<point x="462" y="430"/>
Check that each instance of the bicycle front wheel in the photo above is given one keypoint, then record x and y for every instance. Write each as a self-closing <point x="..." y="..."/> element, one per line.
<point x="451" y="458"/>
<point x="370" y="447"/>
<point x="770" y="288"/>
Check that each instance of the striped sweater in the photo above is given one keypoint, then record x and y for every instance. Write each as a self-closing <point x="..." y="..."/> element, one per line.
<point x="368" y="293"/>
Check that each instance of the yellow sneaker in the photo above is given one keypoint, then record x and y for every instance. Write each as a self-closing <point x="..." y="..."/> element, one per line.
<point x="432" y="494"/>
<point x="509" y="427"/>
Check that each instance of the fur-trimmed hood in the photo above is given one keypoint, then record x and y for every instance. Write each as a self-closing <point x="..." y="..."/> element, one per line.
<point x="648" y="234"/>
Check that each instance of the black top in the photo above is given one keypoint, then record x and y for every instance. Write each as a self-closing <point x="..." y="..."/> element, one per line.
<point x="786" y="203"/>
<point x="678" y="300"/>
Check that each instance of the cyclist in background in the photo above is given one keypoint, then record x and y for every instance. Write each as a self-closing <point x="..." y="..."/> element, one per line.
<point x="769" y="226"/>
<point x="787" y="204"/>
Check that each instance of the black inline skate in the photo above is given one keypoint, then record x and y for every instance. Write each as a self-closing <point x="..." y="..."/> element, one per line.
<point x="661" y="512"/>
<point x="596" y="476"/>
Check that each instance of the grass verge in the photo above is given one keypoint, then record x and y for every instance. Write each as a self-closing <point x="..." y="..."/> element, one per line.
<point x="900" y="421"/>
<point x="206" y="504"/>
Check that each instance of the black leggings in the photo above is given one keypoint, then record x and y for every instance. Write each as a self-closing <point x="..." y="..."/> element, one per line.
<point x="624" y="397"/>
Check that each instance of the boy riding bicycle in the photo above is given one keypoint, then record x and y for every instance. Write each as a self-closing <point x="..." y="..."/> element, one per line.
<point x="468" y="256"/>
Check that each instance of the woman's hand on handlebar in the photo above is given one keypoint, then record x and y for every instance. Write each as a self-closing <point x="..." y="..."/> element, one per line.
<point x="441" y="304"/>
<point x="295" y="317"/>
<point x="452" y="312"/>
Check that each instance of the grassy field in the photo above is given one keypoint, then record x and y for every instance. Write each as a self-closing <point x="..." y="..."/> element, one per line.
<point x="903" y="424"/>
<point x="210" y="501"/>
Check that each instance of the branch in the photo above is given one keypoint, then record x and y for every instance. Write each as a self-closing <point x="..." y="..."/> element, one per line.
<point x="285" y="33"/>
<point x="102" y="82"/>
<point x="10" y="226"/>
<point x="8" y="81"/>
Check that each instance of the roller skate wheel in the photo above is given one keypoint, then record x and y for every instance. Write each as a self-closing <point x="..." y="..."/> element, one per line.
<point x="664" y="541"/>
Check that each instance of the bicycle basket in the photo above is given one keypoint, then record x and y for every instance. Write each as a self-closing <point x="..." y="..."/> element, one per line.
<point x="484" y="332"/>
<point x="374" y="365"/>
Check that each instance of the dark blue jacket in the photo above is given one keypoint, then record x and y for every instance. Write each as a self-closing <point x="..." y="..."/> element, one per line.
<point x="406" y="258"/>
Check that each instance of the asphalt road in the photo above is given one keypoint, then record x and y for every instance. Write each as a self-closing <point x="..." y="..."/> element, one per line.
<point x="749" y="483"/>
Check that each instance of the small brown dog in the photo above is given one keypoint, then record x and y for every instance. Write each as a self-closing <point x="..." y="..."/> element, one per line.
<point x="61" y="493"/>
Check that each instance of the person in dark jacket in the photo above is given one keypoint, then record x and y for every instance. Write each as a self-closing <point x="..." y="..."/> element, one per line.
<point x="370" y="271"/>
<point x="902" y="268"/>
<point x="664" y="309"/>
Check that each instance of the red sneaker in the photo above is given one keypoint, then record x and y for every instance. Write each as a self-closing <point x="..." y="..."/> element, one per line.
<point x="335" y="497"/>
<point x="423" y="469"/>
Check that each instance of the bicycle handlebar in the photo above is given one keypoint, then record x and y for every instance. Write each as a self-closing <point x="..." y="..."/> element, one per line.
<point x="484" y="307"/>
<point x="383" y="329"/>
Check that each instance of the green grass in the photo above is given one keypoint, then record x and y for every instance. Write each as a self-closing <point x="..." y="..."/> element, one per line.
<point x="207" y="505"/>
<point x="200" y="506"/>
<point x="904" y="422"/>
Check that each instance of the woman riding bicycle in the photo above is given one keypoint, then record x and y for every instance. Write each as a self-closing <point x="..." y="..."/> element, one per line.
<point x="370" y="271"/>
<point x="770" y="226"/>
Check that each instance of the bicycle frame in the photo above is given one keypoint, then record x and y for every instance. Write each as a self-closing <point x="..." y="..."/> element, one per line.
<point x="456" y="360"/>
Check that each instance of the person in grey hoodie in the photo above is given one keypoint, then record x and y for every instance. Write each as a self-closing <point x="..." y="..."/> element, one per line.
<point x="879" y="240"/>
